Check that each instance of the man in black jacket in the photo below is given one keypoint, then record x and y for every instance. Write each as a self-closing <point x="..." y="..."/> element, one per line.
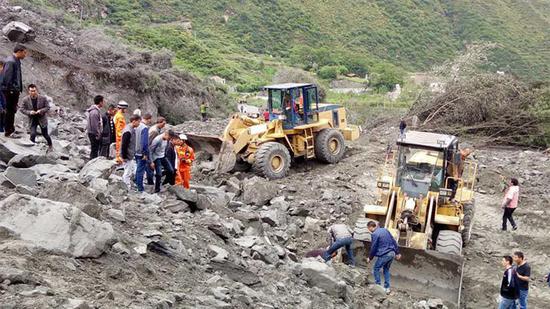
<point x="11" y="85"/>
<point x="36" y="107"/>
<point x="94" y="126"/>
<point x="509" y="291"/>
<point x="108" y="135"/>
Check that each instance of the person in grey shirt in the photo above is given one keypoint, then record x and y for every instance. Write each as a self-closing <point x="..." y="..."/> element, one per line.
<point x="159" y="160"/>
<point x="340" y="235"/>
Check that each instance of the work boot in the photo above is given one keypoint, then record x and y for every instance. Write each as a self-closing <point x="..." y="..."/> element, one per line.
<point x="387" y="290"/>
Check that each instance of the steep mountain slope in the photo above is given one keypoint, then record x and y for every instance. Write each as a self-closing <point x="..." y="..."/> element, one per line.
<point x="414" y="34"/>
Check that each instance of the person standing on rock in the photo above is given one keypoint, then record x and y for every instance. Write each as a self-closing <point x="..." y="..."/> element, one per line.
<point x="186" y="156"/>
<point x="108" y="134"/>
<point x="339" y="235"/>
<point x="2" y="101"/>
<point x="385" y="249"/>
<point x="156" y="129"/>
<point x="141" y="154"/>
<point x="11" y="86"/>
<point x="36" y="107"/>
<point x="523" y="271"/>
<point x="120" y="125"/>
<point x="510" y="203"/>
<point x="95" y="126"/>
<point x="203" y="108"/>
<point x="402" y="127"/>
<point x="508" y="286"/>
<point x="159" y="160"/>
<point x="172" y="158"/>
<point x="127" y="150"/>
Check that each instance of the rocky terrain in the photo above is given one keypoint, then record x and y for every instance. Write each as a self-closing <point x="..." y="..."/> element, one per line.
<point x="73" y="237"/>
<point x="73" y="64"/>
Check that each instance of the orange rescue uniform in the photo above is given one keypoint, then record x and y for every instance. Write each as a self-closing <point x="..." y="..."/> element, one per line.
<point x="186" y="156"/>
<point x="120" y="124"/>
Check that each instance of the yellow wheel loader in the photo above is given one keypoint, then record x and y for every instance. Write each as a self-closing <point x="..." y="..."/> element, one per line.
<point x="426" y="201"/>
<point x="298" y="126"/>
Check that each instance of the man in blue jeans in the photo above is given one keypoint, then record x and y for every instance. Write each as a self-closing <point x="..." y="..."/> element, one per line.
<point x="158" y="156"/>
<point x="141" y="153"/>
<point x="340" y="235"/>
<point x="385" y="249"/>
<point x="523" y="272"/>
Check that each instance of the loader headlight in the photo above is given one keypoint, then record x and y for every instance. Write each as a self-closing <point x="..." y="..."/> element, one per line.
<point x="445" y="192"/>
<point x="383" y="185"/>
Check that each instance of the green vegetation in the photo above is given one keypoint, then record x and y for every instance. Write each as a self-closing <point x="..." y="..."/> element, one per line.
<point x="245" y="41"/>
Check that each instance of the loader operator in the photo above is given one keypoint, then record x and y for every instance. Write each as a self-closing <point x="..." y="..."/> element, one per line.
<point x="186" y="156"/>
<point x="410" y="211"/>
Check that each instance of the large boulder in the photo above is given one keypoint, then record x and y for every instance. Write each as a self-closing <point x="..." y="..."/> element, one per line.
<point x="9" y="148"/>
<point x="73" y="193"/>
<point x="97" y="168"/>
<point x="319" y="274"/>
<point x="19" y="32"/>
<point x="21" y="176"/>
<point x="258" y="191"/>
<point x="29" y="160"/>
<point x="54" y="226"/>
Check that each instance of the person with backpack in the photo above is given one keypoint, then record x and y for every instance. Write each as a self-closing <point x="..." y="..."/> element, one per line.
<point x="509" y="292"/>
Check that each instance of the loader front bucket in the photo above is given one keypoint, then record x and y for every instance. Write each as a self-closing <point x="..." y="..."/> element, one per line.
<point x="221" y="151"/>
<point x="423" y="272"/>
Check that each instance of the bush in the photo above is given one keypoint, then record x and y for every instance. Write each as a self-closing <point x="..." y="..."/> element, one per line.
<point x="385" y="76"/>
<point x="331" y="71"/>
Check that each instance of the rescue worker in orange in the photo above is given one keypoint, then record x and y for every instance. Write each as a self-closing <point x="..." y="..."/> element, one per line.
<point x="120" y="124"/>
<point x="186" y="156"/>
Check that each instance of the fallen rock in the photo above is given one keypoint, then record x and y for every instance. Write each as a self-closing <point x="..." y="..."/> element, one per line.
<point x="97" y="168"/>
<point x="73" y="193"/>
<point x="218" y="254"/>
<point x="55" y="226"/>
<point x="258" y="191"/>
<point x="321" y="275"/>
<point x="76" y="304"/>
<point x="21" y="176"/>
<point x="246" y="241"/>
<point x="26" y="190"/>
<point x="435" y="303"/>
<point x="116" y="214"/>
<point x="236" y="273"/>
<point x="17" y="276"/>
<point x="188" y="196"/>
<point x="270" y="217"/>
<point x="265" y="253"/>
<point x="28" y="160"/>
<point x="311" y="224"/>
<point x="9" y="148"/>
<point x="19" y="32"/>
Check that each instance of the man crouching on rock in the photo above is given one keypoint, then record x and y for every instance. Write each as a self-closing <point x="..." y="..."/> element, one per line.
<point x="340" y="235"/>
<point x="385" y="248"/>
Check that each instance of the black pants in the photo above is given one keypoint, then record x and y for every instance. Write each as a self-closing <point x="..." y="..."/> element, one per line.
<point x="12" y="99"/>
<point x="508" y="216"/>
<point x="203" y="116"/>
<point x="2" y="117"/>
<point x="95" y="146"/>
<point x="160" y="165"/>
<point x="104" y="150"/>
<point x="44" y="130"/>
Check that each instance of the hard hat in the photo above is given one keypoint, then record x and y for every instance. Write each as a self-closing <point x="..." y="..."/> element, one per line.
<point x="122" y="104"/>
<point x="137" y="111"/>
<point x="183" y="137"/>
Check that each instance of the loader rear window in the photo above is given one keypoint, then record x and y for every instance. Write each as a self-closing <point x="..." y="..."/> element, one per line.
<point x="276" y="101"/>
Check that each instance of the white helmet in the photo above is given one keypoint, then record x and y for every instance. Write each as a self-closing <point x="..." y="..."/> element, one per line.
<point x="122" y="104"/>
<point x="183" y="137"/>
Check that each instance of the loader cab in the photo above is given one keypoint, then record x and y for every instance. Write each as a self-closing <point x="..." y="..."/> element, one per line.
<point x="294" y="104"/>
<point x="422" y="164"/>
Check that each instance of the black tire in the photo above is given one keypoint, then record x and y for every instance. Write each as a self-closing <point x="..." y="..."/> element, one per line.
<point x="449" y="242"/>
<point x="469" y="209"/>
<point x="272" y="160"/>
<point x="329" y="146"/>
